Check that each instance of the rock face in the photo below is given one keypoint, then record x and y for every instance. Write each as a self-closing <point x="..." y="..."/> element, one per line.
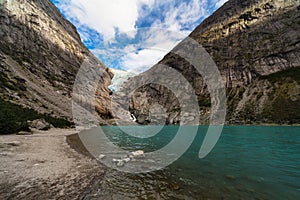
<point x="40" y="54"/>
<point x="256" y="47"/>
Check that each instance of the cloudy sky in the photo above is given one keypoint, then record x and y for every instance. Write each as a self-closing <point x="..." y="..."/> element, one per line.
<point x="133" y="35"/>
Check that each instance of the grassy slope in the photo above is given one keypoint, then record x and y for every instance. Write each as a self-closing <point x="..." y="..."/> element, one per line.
<point x="283" y="107"/>
<point x="293" y="73"/>
<point x="283" y="104"/>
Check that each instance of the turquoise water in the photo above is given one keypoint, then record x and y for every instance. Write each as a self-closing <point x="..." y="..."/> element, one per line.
<point x="247" y="163"/>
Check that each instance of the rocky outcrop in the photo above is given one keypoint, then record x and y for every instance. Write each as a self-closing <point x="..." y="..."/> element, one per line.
<point x="256" y="47"/>
<point x="40" y="124"/>
<point x="40" y="54"/>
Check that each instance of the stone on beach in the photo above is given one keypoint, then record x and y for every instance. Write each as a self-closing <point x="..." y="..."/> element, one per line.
<point x="126" y="160"/>
<point x="120" y="163"/>
<point x="138" y="153"/>
<point x="40" y="124"/>
<point x="114" y="160"/>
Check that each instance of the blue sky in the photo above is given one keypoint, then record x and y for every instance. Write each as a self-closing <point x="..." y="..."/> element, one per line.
<point x="134" y="35"/>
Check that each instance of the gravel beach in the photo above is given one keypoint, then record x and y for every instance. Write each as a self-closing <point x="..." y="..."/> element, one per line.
<point x="44" y="166"/>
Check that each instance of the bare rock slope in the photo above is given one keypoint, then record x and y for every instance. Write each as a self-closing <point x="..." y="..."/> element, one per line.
<point x="40" y="54"/>
<point x="256" y="46"/>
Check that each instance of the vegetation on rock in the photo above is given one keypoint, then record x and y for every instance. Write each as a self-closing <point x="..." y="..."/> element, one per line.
<point x="14" y="118"/>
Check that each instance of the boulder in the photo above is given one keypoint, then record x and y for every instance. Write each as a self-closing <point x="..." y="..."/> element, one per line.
<point x="137" y="154"/>
<point x="40" y="124"/>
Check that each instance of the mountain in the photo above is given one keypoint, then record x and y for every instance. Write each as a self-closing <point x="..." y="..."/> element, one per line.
<point x="256" y="47"/>
<point x="40" y="55"/>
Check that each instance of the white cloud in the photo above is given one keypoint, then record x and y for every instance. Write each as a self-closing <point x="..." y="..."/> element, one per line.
<point x="139" y="62"/>
<point x="220" y="3"/>
<point x="161" y="38"/>
<point x="185" y="13"/>
<point x="176" y="20"/>
<point x="104" y="16"/>
<point x="156" y="43"/>
<point x="164" y="34"/>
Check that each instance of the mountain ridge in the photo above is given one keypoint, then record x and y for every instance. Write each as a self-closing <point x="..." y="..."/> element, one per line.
<point x="249" y="41"/>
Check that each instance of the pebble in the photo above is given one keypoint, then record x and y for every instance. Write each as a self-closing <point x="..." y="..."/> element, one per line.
<point x="120" y="163"/>
<point x="126" y="159"/>
<point x="115" y="160"/>
<point x="101" y="156"/>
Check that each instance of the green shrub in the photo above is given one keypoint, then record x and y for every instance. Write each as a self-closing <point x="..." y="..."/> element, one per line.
<point x="13" y="118"/>
<point x="293" y="73"/>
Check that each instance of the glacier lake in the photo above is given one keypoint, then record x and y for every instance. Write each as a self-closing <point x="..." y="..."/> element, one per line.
<point x="248" y="162"/>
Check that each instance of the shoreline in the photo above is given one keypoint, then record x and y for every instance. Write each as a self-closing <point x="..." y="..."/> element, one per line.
<point x="45" y="166"/>
<point x="225" y="125"/>
<point x="75" y="143"/>
<point x="54" y="164"/>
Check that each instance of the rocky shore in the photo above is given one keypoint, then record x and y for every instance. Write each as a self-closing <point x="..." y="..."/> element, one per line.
<point x="44" y="166"/>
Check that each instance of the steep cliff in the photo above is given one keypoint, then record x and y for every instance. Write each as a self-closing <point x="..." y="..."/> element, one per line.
<point x="40" y="54"/>
<point x="256" y="46"/>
